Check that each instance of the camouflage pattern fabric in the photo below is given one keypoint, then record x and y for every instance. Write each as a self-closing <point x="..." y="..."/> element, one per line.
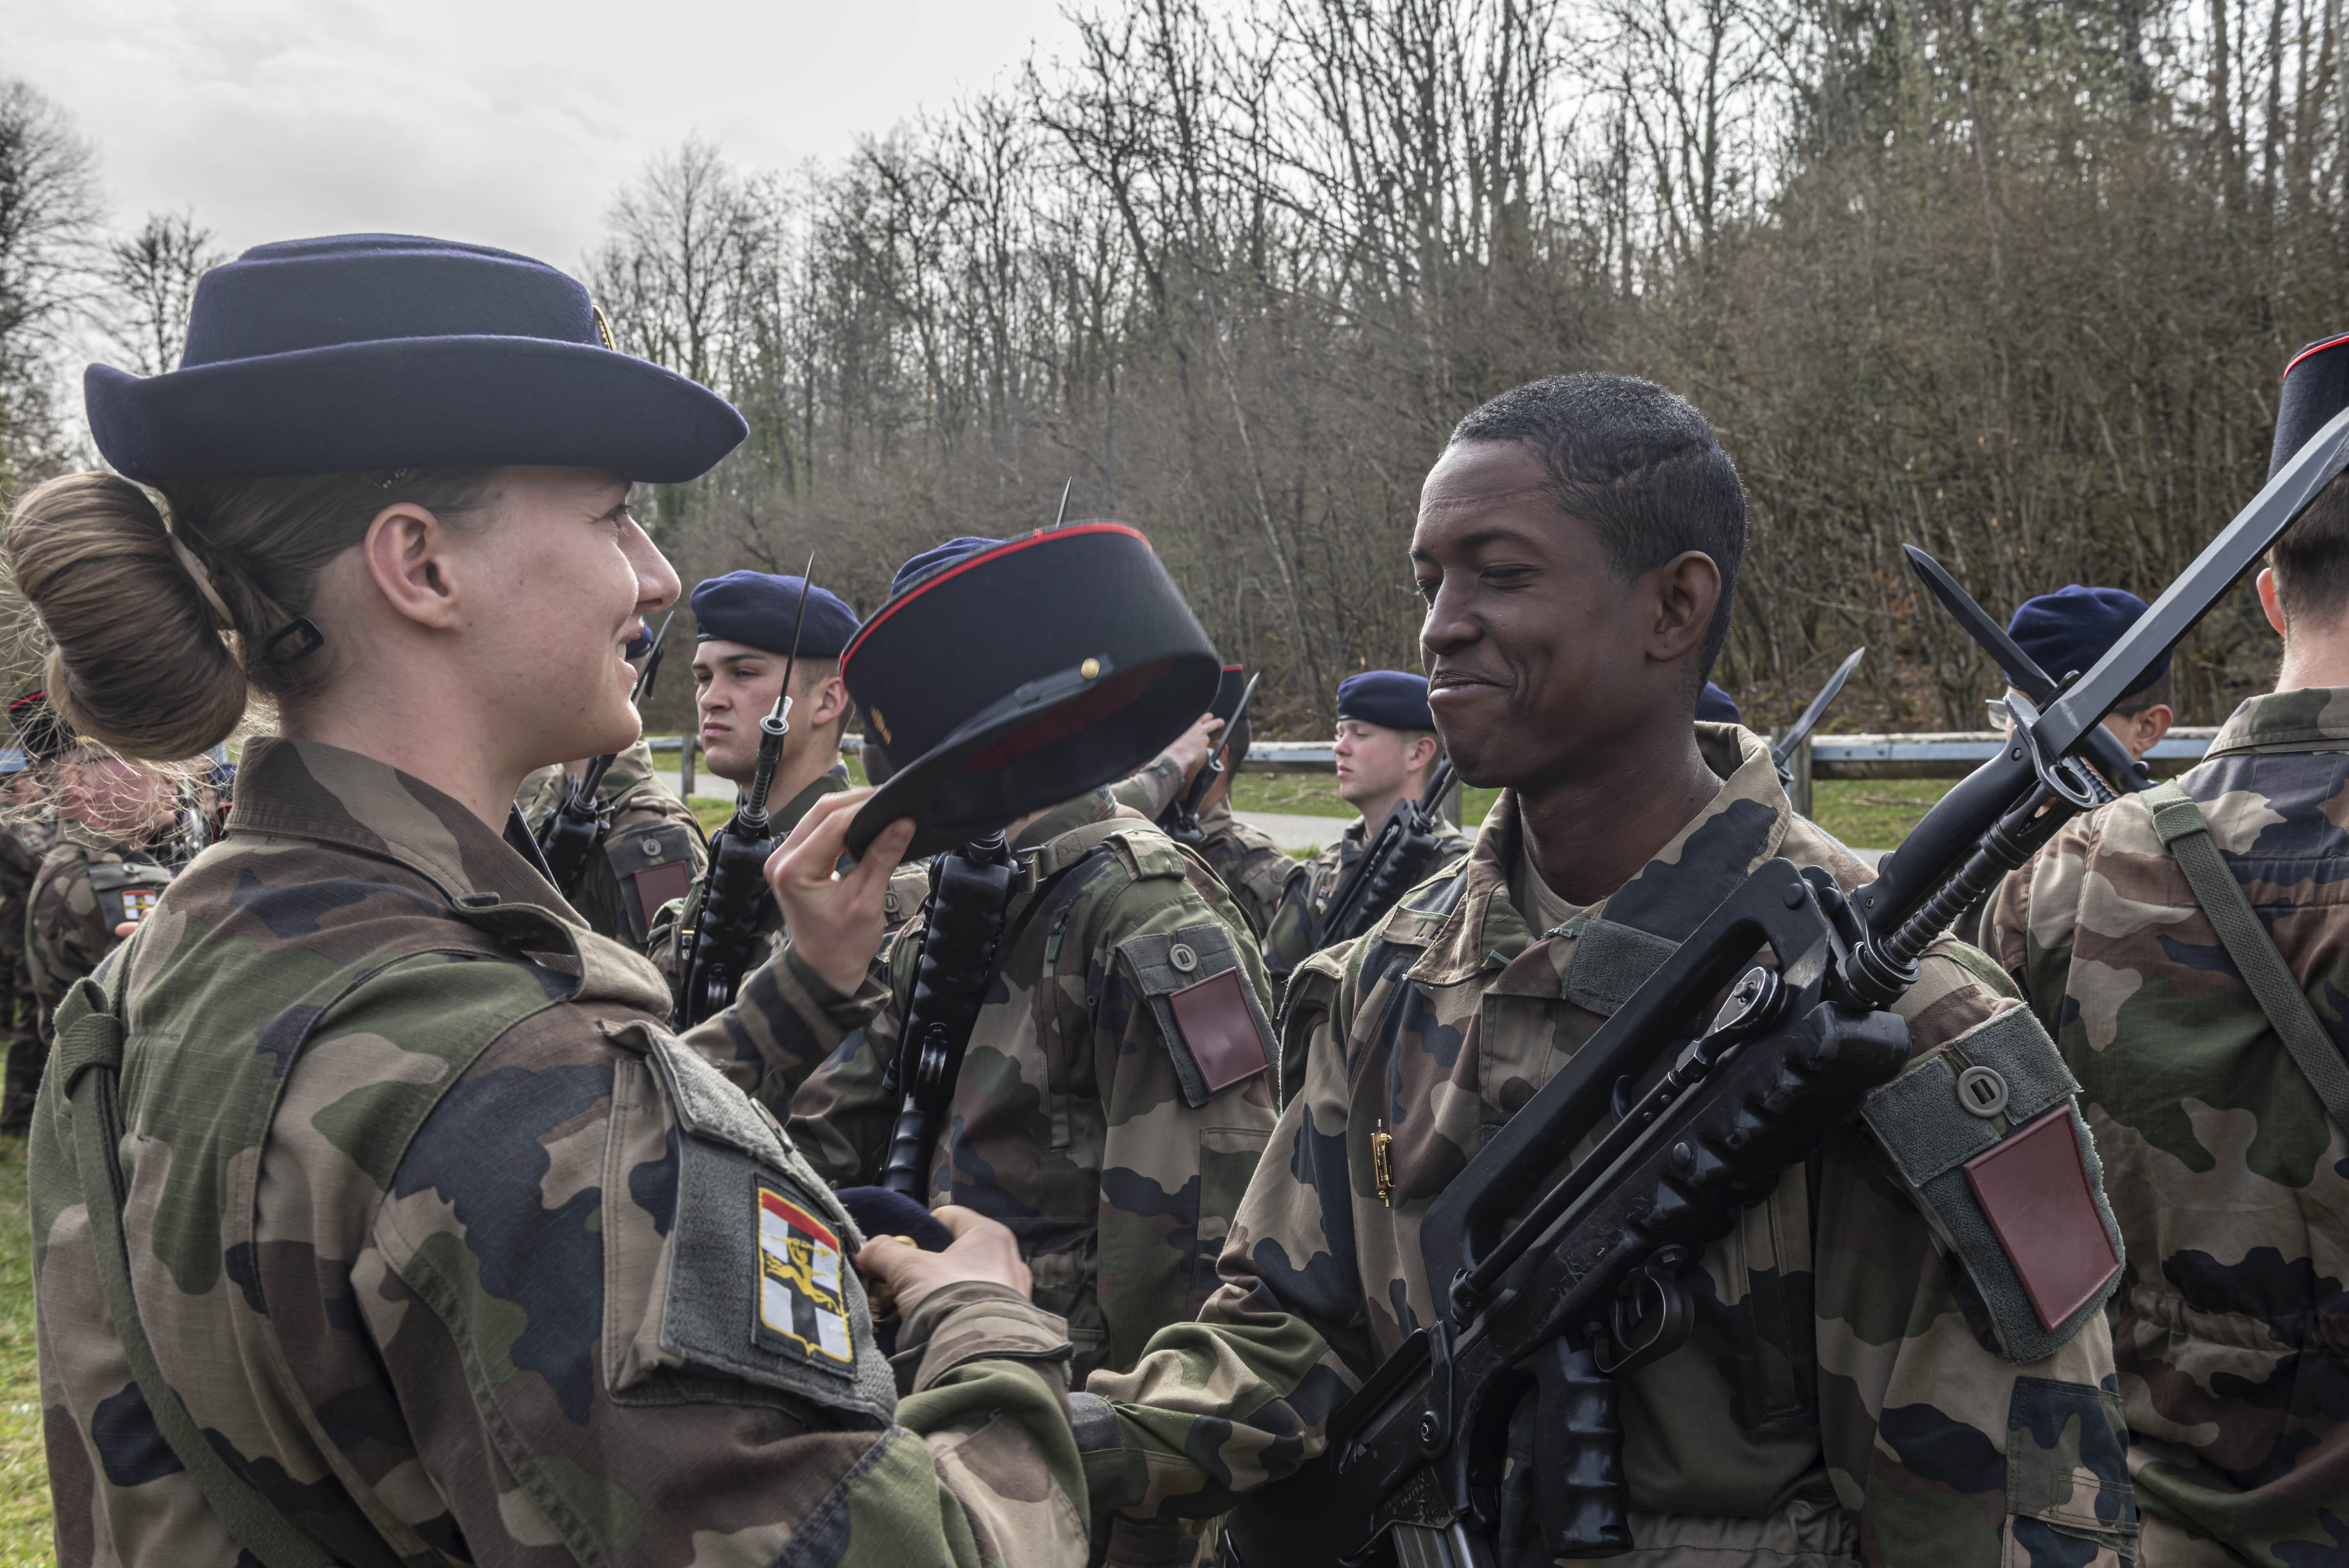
<point x="1304" y="902"/>
<point x="459" y="1256"/>
<point x="1153" y="789"/>
<point x="22" y="846"/>
<point x="1256" y="869"/>
<point x="2232" y="1185"/>
<point x="1841" y="1399"/>
<point x="669" y="930"/>
<point x="632" y="799"/>
<point x="67" y="927"/>
<point x="1070" y="1121"/>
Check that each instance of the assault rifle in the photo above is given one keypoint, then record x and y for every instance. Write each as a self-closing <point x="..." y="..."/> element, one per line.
<point x="969" y="890"/>
<point x="1404" y="854"/>
<point x="718" y="946"/>
<point x="1586" y="1286"/>
<point x="568" y="835"/>
<point x="1181" y="818"/>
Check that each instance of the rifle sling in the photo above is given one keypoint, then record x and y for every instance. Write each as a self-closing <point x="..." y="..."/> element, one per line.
<point x="2186" y="834"/>
<point x="88" y="1067"/>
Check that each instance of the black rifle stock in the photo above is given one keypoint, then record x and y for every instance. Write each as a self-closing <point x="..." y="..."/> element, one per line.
<point x="970" y="889"/>
<point x="1584" y="1287"/>
<point x="726" y="928"/>
<point x="1404" y="855"/>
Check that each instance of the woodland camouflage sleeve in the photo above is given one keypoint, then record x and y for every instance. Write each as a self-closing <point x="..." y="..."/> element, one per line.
<point x="65" y="936"/>
<point x="596" y="1386"/>
<point x="842" y="1115"/>
<point x="1153" y="789"/>
<point x="1216" y="1407"/>
<point x="1951" y="1452"/>
<point x="784" y="1023"/>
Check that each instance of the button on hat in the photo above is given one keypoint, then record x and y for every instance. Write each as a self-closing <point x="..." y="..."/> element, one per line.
<point x="757" y="610"/>
<point x="384" y="351"/>
<point x="2069" y="630"/>
<point x="1395" y="698"/>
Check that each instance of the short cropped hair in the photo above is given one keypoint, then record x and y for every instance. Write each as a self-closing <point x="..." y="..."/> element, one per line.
<point x="1637" y="465"/>
<point x="2310" y="561"/>
<point x="2154" y="692"/>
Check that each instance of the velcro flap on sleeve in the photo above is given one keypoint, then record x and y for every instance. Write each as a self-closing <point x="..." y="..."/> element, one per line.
<point x="1214" y="1023"/>
<point x="2017" y="1193"/>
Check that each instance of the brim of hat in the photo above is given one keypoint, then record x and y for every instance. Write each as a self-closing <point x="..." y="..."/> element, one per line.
<point x="441" y="402"/>
<point x="1177" y="696"/>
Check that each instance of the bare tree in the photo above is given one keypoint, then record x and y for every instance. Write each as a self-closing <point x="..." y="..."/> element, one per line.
<point x="151" y="281"/>
<point x="49" y="209"/>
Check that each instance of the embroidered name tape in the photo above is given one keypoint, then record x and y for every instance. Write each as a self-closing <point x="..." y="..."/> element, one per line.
<point x="800" y="1305"/>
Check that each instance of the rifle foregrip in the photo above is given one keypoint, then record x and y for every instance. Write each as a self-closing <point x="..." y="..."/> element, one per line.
<point x="1578" y="1454"/>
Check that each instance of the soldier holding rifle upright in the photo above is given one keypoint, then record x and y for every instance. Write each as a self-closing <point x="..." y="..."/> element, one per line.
<point x="1851" y="1389"/>
<point x="2194" y="979"/>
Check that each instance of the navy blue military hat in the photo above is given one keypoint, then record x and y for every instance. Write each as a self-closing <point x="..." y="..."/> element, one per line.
<point x="2316" y="387"/>
<point x="1715" y="705"/>
<point x="2069" y="630"/>
<point x="758" y="610"/>
<point x="1003" y="679"/>
<point x="386" y="351"/>
<point x="1395" y="698"/>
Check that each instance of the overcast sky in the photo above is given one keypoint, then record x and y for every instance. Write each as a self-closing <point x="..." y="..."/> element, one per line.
<point x="508" y="122"/>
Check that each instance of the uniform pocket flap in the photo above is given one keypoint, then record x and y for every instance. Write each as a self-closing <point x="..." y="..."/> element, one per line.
<point x="1215" y="1026"/>
<point x="2035" y="1190"/>
<point x="707" y="1102"/>
<point x="2066" y="1464"/>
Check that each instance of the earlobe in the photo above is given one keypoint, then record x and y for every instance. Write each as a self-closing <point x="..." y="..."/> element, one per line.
<point x="2270" y="603"/>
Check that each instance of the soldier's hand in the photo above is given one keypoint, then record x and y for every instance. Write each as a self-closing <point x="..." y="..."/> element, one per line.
<point x="1192" y="746"/>
<point x="834" y="921"/>
<point x="982" y="1249"/>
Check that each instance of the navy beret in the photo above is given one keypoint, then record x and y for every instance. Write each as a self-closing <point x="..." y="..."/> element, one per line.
<point x="1713" y="706"/>
<point x="757" y="609"/>
<point x="936" y="558"/>
<point x="2073" y="627"/>
<point x="878" y="1212"/>
<point x="1395" y="698"/>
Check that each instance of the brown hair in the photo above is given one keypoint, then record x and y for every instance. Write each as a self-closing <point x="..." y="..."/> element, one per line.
<point x="139" y="657"/>
<point x="2310" y="561"/>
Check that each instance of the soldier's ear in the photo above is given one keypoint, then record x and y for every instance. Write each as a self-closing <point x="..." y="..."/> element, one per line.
<point x="2270" y="603"/>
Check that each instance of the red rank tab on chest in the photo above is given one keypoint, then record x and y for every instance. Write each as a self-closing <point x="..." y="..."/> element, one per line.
<point x="2035" y="1189"/>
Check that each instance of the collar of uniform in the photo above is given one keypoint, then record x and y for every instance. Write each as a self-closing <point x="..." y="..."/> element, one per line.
<point x="1069" y="816"/>
<point x="307" y="789"/>
<point x="1740" y="827"/>
<point x="2315" y="719"/>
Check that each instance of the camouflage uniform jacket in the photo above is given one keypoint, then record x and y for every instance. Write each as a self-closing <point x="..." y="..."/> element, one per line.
<point x="69" y="922"/>
<point x="461" y="1257"/>
<point x="23" y="844"/>
<point x="1255" y="869"/>
<point x="1305" y="901"/>
<point x="1841" y="1399"/>
<point x="2232" y="1327"/>
<point x="1114" y="1133"/>
<point x="650" y="851"/>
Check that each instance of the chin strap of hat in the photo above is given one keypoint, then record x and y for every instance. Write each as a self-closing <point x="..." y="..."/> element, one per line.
<point x="87" y="1068"/>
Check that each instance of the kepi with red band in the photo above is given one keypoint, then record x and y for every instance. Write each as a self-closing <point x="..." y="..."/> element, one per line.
<point x="1005" y="676"/>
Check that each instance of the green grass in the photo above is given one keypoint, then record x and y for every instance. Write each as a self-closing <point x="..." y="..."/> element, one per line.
<point x="1874" y="814"/>
<point x="25" y="1536"/>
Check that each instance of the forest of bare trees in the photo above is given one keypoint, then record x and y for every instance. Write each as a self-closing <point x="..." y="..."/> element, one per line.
<point x="2011" y="279"/>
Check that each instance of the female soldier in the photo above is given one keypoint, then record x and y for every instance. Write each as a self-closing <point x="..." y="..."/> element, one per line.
<point x="438" y="1247"/>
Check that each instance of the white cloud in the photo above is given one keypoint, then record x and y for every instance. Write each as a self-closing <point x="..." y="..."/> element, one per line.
<point x="500" y="121"/>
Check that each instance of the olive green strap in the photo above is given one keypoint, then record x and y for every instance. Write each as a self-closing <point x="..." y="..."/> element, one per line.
<point x="2187" y="835"/>
<point x="87" y="1067"/>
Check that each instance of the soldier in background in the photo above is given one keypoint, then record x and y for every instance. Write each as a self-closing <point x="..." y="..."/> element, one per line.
<point x="1386" y="748"/>
<point x="649" y="852"/>
<point x="2067" y="632"/>
<point x="1256" y="869"/>
<point x="106" y="867"/>
<point x="2132" y="932"/>
<point x="746" y="622"/>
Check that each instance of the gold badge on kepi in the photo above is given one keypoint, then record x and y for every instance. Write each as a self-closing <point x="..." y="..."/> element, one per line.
<point x="801" y="1306"/>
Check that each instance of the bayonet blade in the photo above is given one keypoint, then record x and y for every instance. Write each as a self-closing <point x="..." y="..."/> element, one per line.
<point x="1818" y="710"/>
<point x="1061" y="516"/>
<point x="2022" y="670"/>
<point x="2226" y="558"/>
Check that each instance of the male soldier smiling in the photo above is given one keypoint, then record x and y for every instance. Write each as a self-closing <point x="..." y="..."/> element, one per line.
<point x="1849" y="1391"/>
